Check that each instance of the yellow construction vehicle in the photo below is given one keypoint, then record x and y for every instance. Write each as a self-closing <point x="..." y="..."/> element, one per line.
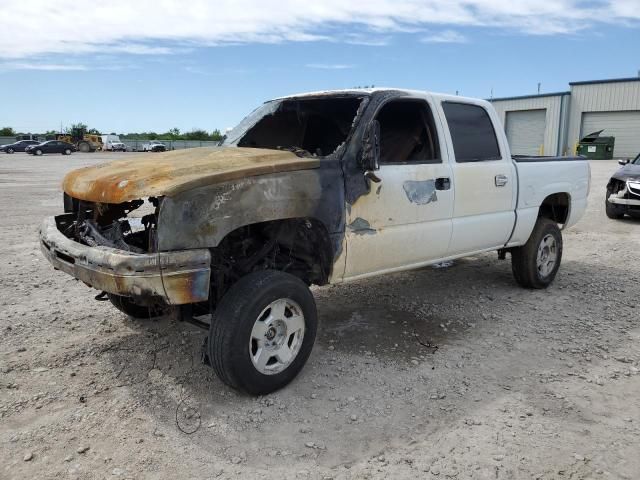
<point x="84" y="142"/>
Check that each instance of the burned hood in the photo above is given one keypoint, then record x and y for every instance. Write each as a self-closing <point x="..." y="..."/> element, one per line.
<point x="166" y="174"/>
<point x="628" y="172"/>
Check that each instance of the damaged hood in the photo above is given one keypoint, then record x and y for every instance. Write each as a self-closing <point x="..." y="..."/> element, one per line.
<point x="166" y="174"/>
<point x="629" y="172"/>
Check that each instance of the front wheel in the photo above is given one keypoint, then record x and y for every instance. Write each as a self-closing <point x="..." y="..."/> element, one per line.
<point x="67" y="151"/>
<point x="38" y="152"/>
<point x="262" y="332"/>
<point x="10" y="150"/>
<point x="536" y="263"/>
<point x="612" y="210"/>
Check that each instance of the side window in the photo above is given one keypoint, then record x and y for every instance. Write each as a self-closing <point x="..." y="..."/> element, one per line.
<point x="472" y="133"/>
<point x="407" y="133"/>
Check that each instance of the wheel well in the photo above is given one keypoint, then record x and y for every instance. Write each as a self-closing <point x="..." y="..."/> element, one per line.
<point x="299" y="246"/>
<point x="555" y="207"/>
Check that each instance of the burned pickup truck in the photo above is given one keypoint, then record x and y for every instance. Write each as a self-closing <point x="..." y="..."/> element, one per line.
<point x="311" y="189"/>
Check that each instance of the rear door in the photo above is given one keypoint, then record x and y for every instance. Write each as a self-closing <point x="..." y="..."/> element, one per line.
<point x="484" y="177"/>
<point x="405" y="220"/>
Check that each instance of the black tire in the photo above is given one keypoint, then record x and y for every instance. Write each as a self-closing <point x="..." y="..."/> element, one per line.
<point x="230" y="334"/>
<point x="139" y="312"/>
<point x="38" y="152"/>
<point x="67" y="152"/>
<point x="524" y="260"/>
<point x="84" y="147"/>
<point x="10" y="150"/>
<point x="613" y="211"/>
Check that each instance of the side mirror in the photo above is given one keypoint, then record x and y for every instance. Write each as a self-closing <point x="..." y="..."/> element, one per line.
<point x="370" y="160"/>
<point x="624" y="162"/>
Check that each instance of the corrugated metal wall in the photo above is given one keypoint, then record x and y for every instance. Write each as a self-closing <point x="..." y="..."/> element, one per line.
<point x="601" y="97"/>
<point x="624" y="126"/>
<point x="552" y="104"/>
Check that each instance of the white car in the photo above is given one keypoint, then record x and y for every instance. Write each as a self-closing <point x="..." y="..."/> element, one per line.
<point x="154" y="146"/>
<point x="314" y="189"/>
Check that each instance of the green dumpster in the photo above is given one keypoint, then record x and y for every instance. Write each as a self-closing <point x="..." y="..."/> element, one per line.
<point x="596" y="147"/>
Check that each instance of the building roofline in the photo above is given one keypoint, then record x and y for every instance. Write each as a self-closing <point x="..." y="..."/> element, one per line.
<point x="523" y="97"/>
<point x="611" y="80"/>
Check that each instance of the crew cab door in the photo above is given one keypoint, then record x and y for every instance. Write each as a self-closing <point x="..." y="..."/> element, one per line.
<point x="484" y="178"/>
<point x="405" y="219"/>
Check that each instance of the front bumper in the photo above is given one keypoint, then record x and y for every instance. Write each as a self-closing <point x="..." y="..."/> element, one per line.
<point x="179" y="277"/>
<point x="628" y="196"/>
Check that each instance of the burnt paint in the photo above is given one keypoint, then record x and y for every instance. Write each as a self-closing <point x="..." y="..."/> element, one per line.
<point x="361" y="227"/>
<point x="421" y="192"/>
<point x="201" y="217"/>
<point x="355" y="183"/>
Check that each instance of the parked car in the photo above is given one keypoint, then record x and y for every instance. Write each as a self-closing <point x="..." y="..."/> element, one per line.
<point x="112" y="143"/>
<point x="623" y="190"/>
<point x="51" y="146"/>
<point x="320" y="189"/>
<point x="154" y="146"/>
<point x="18" y="146"/>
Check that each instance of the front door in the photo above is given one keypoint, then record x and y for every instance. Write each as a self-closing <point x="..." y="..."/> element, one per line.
<point x="404" y="220"/>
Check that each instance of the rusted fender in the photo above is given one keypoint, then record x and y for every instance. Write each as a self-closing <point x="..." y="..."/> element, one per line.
<point x="167" y="174"/>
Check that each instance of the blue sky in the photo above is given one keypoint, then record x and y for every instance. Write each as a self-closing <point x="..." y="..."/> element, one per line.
<point x="208" y="68"/>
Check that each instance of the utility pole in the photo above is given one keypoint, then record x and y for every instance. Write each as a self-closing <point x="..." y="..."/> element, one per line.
<point x="539" y="84"/>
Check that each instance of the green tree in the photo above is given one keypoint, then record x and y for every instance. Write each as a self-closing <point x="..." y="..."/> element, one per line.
<point x="76" y="126"/>
<point x="216" y="135"/>
<point x="7" y="132"/>
<point x="197" y="134"/>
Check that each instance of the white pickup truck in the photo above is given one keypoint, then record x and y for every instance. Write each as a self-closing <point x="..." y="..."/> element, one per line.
<point x="317" y="189"/>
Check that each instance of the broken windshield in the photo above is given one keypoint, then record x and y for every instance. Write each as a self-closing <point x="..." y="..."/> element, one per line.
<point x="309" y="126"/>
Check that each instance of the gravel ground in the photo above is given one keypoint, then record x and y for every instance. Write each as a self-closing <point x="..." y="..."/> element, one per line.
<point x="437" y="373"/>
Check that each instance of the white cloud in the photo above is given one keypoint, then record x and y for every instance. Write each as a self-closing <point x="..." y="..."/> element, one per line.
<point x="40" y="66"/>
<point x="445" y="36"/>
<point x="329" y="66"/>
<point x="149" y="27"/>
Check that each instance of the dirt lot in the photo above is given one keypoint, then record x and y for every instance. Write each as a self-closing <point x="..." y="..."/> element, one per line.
<point x="438" y="373"/>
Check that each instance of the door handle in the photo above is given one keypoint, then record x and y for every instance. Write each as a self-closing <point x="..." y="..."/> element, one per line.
<point x="443" y="183"/>
<point x="501" y="180"/>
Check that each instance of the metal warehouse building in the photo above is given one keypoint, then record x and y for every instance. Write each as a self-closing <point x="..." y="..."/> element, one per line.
<point x="553" y="123"/>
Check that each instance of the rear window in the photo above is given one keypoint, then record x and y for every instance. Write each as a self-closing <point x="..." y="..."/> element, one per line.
<point x="472" y="133"/>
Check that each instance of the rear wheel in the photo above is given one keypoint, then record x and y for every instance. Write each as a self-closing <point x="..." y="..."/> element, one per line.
<point x="129" y="307"/>
<point x="262" y="332"/>
<point x="536" y="263"/>
<point x="84" y="147"/>
<point x="612" y="210"/>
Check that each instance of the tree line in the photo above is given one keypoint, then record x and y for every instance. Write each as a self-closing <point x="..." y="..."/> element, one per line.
<point x="172" y="134"/>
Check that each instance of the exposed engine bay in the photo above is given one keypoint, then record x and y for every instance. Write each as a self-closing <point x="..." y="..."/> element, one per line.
<point x="112" y="225"/>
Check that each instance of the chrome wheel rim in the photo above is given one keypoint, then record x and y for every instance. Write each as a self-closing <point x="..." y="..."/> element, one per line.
<point x="547" y="255"/>
<point x="276" y="336"/>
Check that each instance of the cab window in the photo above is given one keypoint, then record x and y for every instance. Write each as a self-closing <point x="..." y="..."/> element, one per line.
<point x="472" y="133"/>
<point x="407" y="133"/>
